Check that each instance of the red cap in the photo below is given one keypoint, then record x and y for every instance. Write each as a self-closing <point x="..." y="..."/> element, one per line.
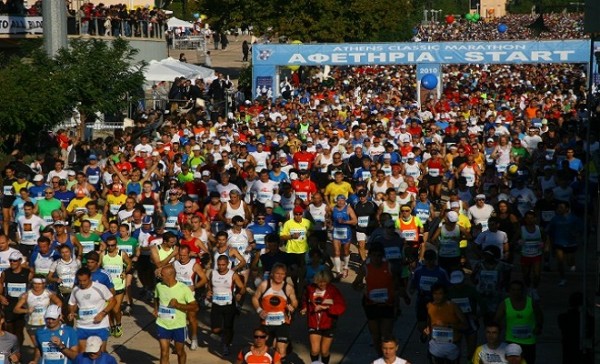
<point x="298" y="210"/>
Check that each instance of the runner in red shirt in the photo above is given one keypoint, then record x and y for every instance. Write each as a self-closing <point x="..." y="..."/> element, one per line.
<point x="304" y="187"/>
<point x="303" y="159"/>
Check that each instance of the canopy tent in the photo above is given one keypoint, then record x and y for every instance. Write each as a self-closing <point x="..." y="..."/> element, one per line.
<point x="168" y="69"/>
<point x="159" y="72"/>
<point x="198" y="71"/>
<point x="178" y="23"/>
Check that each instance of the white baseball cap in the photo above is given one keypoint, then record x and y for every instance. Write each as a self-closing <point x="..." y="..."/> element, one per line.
<point x="52" y="312"/>
<point x="93" y="344"/>
<point x="452" y="216"/>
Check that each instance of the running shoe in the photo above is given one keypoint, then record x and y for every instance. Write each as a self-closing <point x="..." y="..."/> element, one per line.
<point x="118" y="331"/>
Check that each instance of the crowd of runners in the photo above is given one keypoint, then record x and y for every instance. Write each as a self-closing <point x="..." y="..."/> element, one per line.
<point x="457" y="204"/>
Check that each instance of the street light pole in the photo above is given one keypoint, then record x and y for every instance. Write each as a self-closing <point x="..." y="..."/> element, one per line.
<point x="55" y="26"/>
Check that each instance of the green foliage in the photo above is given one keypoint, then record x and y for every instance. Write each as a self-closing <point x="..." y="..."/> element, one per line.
<point x="38" y="92"/>
<point x="100" y="74"/>
<point x="317" y="20"/>
<point x="245" y="78"/>
<point x="548" y="6"/>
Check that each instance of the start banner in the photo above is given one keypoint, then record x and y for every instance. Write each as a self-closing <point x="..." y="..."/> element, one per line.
<point x="553" y="51"/>
<point x="10" y="24"/>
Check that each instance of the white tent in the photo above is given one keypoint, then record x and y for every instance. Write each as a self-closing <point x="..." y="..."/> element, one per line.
<point x="198" y="71"/>
<point x="157" y="71"/>
<point x="169" y="68"/>
<point x="178" y="23"/>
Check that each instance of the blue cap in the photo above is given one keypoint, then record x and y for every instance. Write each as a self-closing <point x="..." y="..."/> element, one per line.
<point x="92" y="156"/>
<point x="340" y="197"/>
<point x="147" y="220"/>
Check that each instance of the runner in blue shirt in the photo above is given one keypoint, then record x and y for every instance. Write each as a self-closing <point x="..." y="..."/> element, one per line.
<point x="56" y="343"/>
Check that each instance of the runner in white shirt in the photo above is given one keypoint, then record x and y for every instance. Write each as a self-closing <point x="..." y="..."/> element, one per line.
<point x="90" y="303"/>
<point x="264" y="188"/>
<point x="389" y="348"/>
<point x="225" y="187"/>
<point x="29" y="227"/>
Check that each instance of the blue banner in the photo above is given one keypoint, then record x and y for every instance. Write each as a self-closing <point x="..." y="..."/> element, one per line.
<point x="267" y="57"/>
<point x="565" y="51"/>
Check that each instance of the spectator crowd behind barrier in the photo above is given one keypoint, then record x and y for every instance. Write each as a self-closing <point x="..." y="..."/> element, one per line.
<point x="560" y="26"/>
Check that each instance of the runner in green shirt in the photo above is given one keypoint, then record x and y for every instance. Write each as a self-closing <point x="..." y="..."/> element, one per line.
<point x="173" y="301"/>
<point x="45" y="206"/>
<point x="128" y="244"/>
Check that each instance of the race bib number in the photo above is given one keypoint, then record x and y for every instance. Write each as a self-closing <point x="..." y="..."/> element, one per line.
<point x="442" y="335"/>
<point x="379" y="295"/>
<point x="363" y="221"/>
<point x="449" y="249"/>
<point x="340" y="233"/>
<point x="29" y="236"/>
<point x="488" y="280"/>
<point x="48" y="220"/>
<point x="522" y="331"/>
<point x="302" y="195"/>
<point x="127" y="249"/>
<point x="423" y="214"/>
<point x="94" y="179"/>
<point x="171" y="222"/>
<point x="88" y="314"/>
<point x="114" y="209"/>
<point x="318" y="217"/>
<point x="7" y="190"/>
<point x="365" y="175"/>
<point x="36" y="318"/>
<point x="265" y="196"/>
<point x="409" y="235"/>
<point x="532" y="248"/>
<point x="68" y="281"/>
<point x="87" y="246"/>
<point x="470" y="180"/>
<point x="548" y="215"/>
<point x="501" y="168"/>
<point x="426" y="282"/>
<point x="302" y="233"/>
<point x="166" y="313"/>
<point x="392" y="252"/>
<point x="94" y="224"/>
<point x="223" y="298"/>
<point x="185" y="280"/>
<point x="484" y="225"/>
<point x="50" y="352"/>
<point x="149" y="209"/>
<point x="16" y="289"/>
<point x="463" y="303"/>
<point x="434" y="172"/>
<point x="4" y="266"/>
<point x="275" y="318"/>
<point x="259" y="239"/>
<point x="114" y="271"/>
<point x="302" y="165"/>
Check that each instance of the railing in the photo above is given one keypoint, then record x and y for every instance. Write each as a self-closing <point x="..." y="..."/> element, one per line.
<point x="96" y="26"/>
<point x="119" y="28"/>
<point x="197" y="42"/>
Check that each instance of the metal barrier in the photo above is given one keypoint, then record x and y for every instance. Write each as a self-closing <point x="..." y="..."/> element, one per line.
<point x="197" y="42"/>
<point x="106" y="27"/>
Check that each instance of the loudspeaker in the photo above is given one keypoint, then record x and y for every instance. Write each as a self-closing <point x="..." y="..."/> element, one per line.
<point x="591" y="16"/>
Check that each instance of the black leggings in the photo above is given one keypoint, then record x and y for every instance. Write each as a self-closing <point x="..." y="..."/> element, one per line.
<point x="222" y="318"/>
<point x="435" y="360"/>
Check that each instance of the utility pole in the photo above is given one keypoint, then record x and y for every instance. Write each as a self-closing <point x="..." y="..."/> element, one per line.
<point x="54" y="13"/>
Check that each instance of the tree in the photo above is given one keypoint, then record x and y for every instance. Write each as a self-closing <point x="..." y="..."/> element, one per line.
<point x="100" y="75"/>
<point x="317" y="20"/>
<point x="38" y="93"/>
